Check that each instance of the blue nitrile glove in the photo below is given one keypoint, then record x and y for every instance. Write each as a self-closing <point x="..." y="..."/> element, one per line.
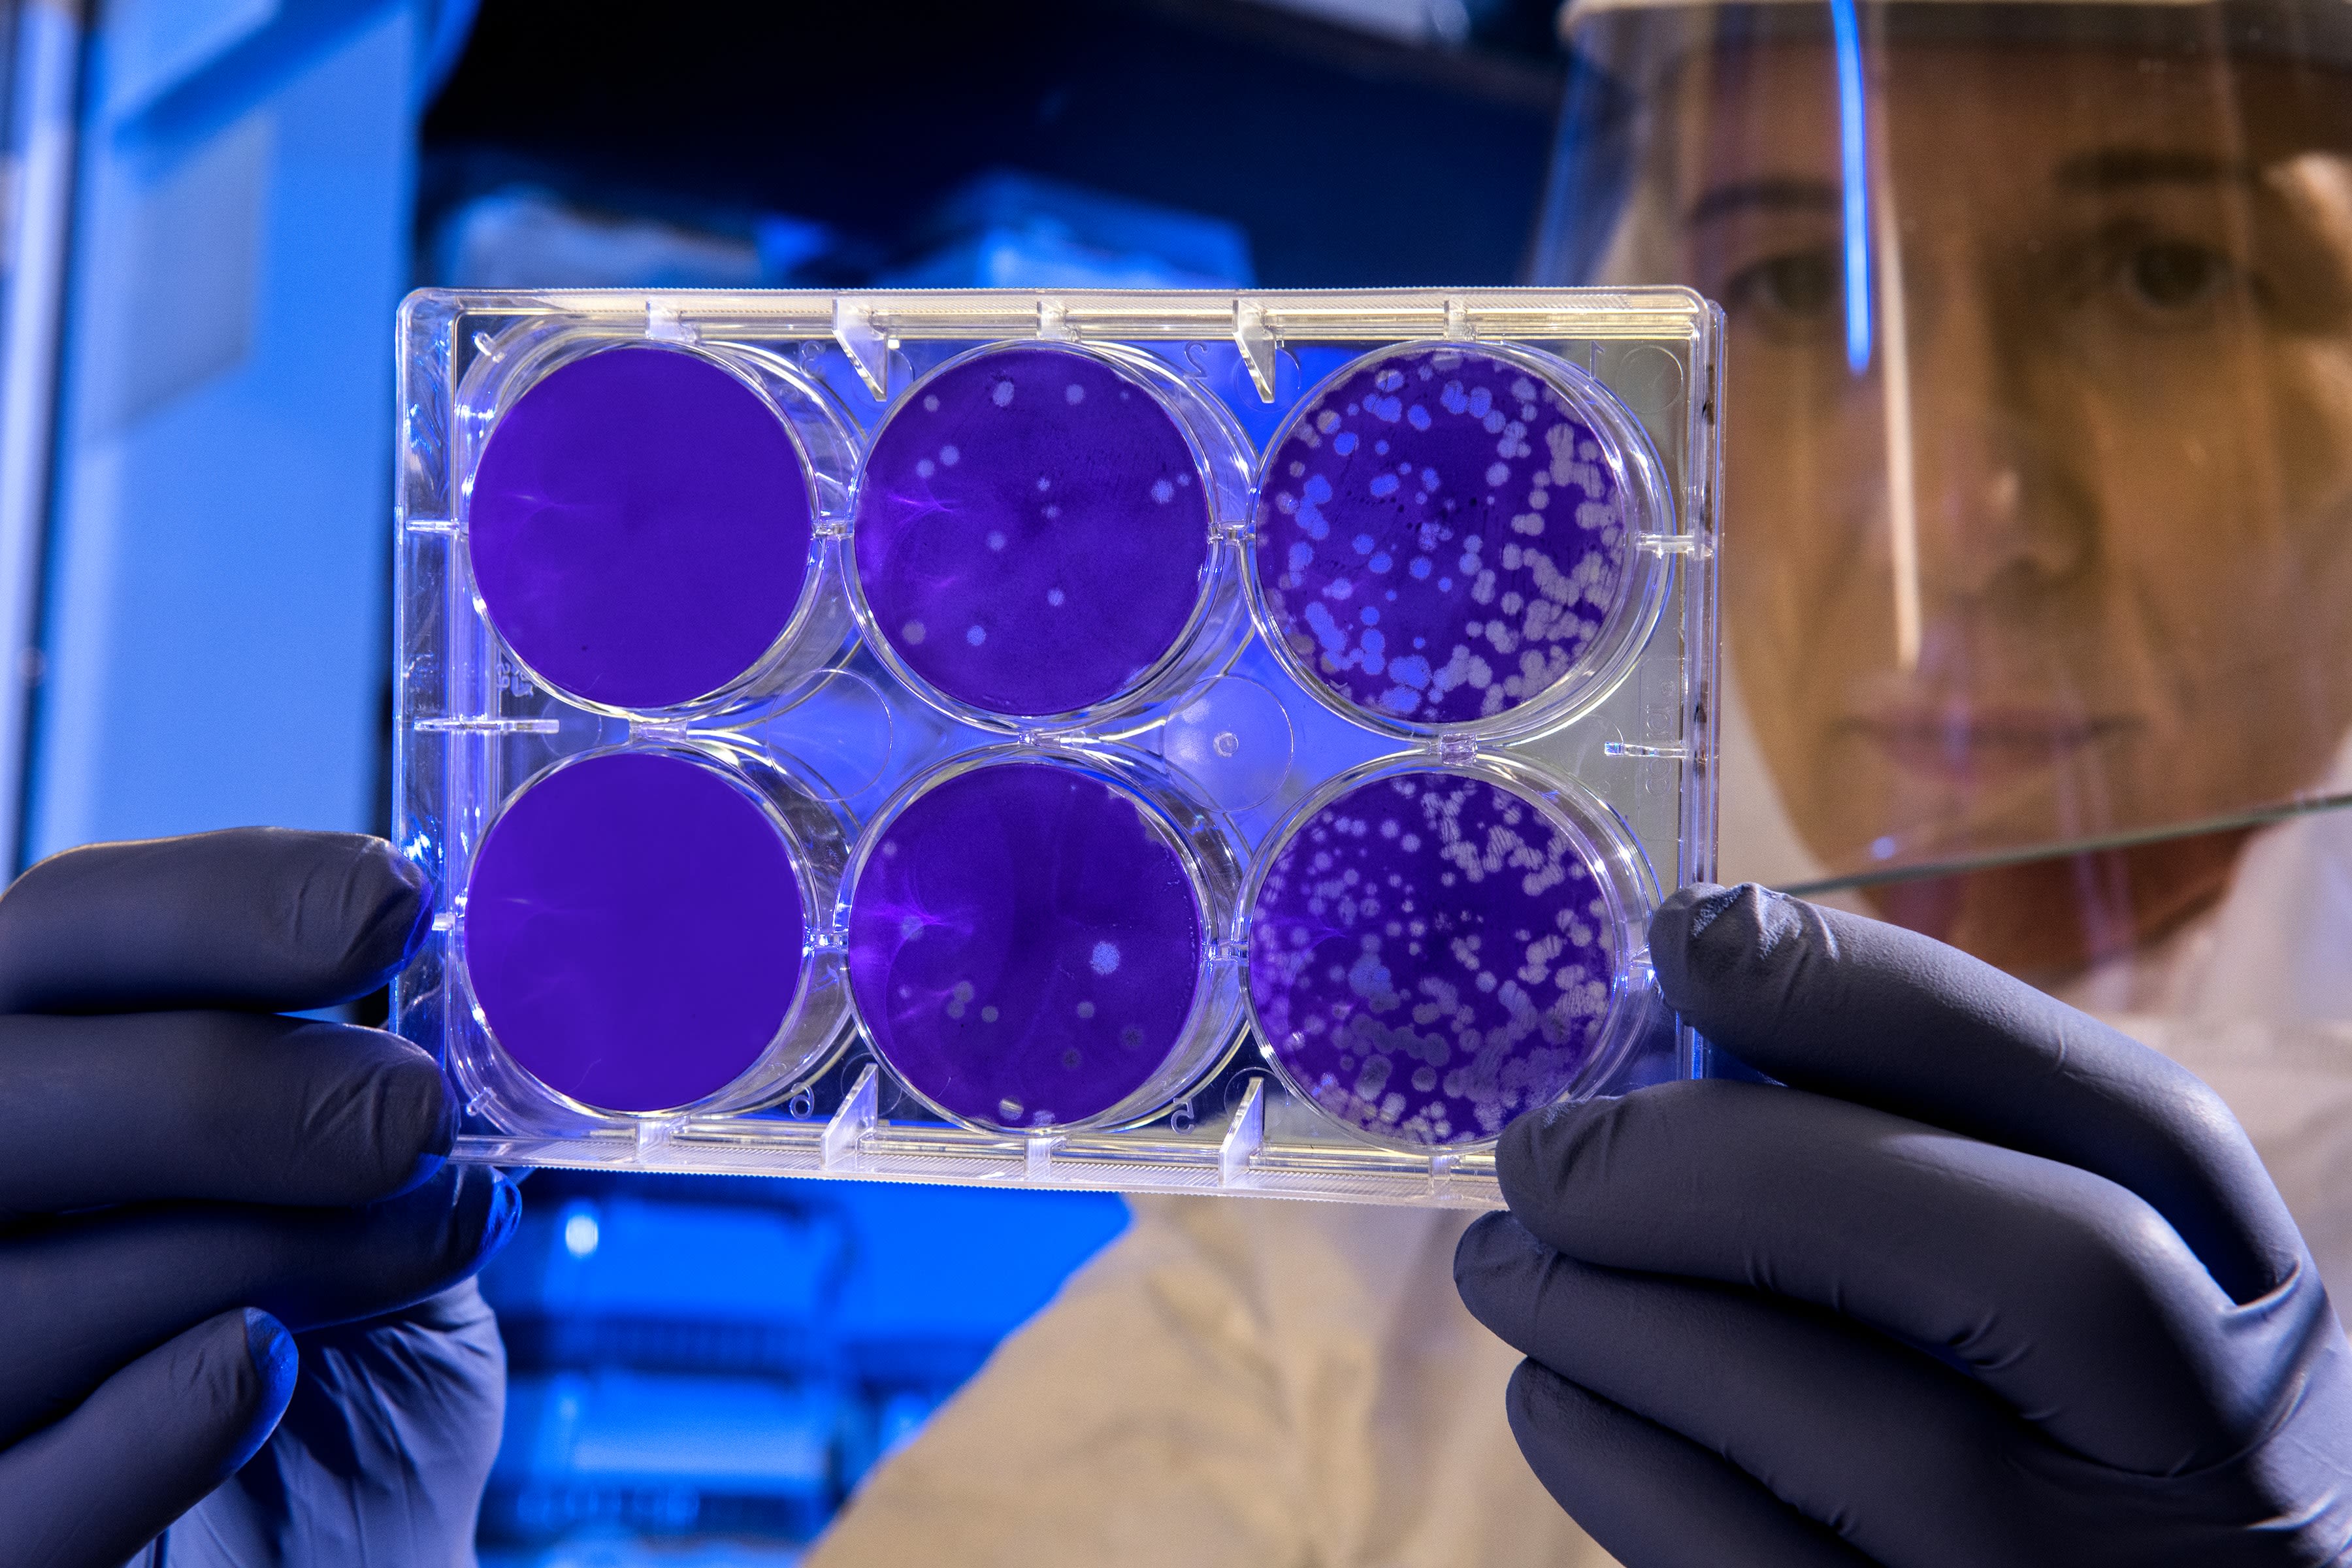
<point x="185" y="1177"/>
<point x="1988" y="1284"/>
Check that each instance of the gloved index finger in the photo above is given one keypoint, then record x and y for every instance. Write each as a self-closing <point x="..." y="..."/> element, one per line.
<point x="259" y="918"/>
<point x="1871" y="1013"/>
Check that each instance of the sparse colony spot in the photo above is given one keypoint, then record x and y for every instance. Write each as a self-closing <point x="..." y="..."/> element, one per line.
<point x="1012" y="479"/>
<point x="1086" y="982"/>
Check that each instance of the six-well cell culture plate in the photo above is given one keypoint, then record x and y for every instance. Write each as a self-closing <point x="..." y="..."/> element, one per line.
<point x="1164" y="740"/>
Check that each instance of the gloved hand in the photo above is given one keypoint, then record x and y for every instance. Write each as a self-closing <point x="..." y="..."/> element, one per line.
<point x="187" y="1180"/>
<point x="1988" y="1284"/>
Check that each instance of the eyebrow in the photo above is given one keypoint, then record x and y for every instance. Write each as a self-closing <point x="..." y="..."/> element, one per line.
<point x="2128" y="168"/>
<point x="1783" y="194"/>
<point x="2092" y="173"/>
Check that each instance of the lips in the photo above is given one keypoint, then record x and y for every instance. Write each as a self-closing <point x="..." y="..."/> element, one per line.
<point x="1960" y="741"/>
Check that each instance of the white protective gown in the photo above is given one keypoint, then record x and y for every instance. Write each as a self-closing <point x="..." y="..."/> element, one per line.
<point x="1274" y="1385"/>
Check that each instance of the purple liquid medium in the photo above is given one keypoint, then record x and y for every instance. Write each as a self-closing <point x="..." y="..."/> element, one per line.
<point x="633" y="933"/>
<point x="1428" y="957"/>
<point x="1439" y="538"/>
<point x="1031" y="530"/>
<point x="1024" y="947"/>
<point x="639" y="528"/>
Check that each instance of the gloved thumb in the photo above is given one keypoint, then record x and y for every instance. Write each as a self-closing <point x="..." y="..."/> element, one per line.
<point x="147" y="1445"/>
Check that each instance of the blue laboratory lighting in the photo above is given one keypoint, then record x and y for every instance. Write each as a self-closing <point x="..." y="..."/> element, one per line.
<point x="1846" y="37"/>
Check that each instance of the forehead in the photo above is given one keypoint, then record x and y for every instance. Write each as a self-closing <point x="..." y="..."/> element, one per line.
<point x="1989" y="112"/>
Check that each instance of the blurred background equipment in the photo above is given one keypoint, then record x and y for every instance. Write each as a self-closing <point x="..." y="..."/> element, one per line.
<point x="702" y="1357"/>
<point x="211" y="620"/>
<point x="212" y="207"/>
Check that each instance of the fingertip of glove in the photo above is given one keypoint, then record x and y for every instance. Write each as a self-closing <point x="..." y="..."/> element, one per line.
<point x="1495" y="1266"/>
<point x="1565" y="1432"/>
<point x="1686" y="916"/>
<point x="444" y="1136"/>
<point x="1535" y="1150"/>
<point x="1533" y="1393"/>
<point x="1488" y="1235"/>
<point x="451" y="1226"/>
<point x="1704" y="935"/>
<point x="1705" y="900"/>
<point x="422" y="926"/>
<point x="498" y="1225"/>
<point x="426" y="1166"/>
<point x="427" y="1116"/>
<point x="1570" y="1173"/>
<point x="275" y="1360"/>
<point x="384" y="901"/>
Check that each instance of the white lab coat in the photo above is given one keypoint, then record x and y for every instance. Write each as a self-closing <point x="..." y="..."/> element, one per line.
<point x="1296" y="1386"/>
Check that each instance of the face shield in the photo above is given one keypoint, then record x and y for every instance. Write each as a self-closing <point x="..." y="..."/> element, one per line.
<point x="2038" y="493"/>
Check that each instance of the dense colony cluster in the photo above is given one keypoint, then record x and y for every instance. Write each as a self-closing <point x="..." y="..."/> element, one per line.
<point x="1429" y="956"/>
<point x="1440" y="537"/>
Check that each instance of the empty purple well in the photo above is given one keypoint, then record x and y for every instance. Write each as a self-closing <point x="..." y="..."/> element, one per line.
<point x="639" y="526"/>
<point x="1031" y="530"/>
<point x="633" y="932"/>
<point x="1439" y="536"/>
<point x="1428" y="957"/>
<point x="1024" y="946"/>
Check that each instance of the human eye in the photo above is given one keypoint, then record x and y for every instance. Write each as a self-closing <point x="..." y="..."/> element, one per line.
<point x="1790" y="290"/>
<point x="2174" y="275"/>
<point x="2162" y="277"/>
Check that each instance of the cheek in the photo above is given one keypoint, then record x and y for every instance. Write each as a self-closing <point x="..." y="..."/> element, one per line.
<point x="2314" y="438"/>
<point x="2226" y="509"/>
<point x="2308" y="593"/>
<point x="2227" y="519"/>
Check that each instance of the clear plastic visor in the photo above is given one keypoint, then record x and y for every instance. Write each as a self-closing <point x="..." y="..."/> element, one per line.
<point x="2038" y="502"/>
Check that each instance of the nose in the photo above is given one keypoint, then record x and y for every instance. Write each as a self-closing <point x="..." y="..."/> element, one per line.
<point x="2003" y="517"/>
<point x="1999" y="517"/>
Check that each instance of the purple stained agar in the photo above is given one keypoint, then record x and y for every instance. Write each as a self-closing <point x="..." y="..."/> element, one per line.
<point x="1439" y="536"/>
<point x="1024" y="946"/>
<point x="634" y="931"/>
<point x="1429" y="956"/>
<point x="1031" y="530"/>
<point x="639" y="528"/>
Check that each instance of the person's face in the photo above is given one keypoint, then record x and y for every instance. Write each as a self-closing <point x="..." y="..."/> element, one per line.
<point x="2114" y="594"/>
